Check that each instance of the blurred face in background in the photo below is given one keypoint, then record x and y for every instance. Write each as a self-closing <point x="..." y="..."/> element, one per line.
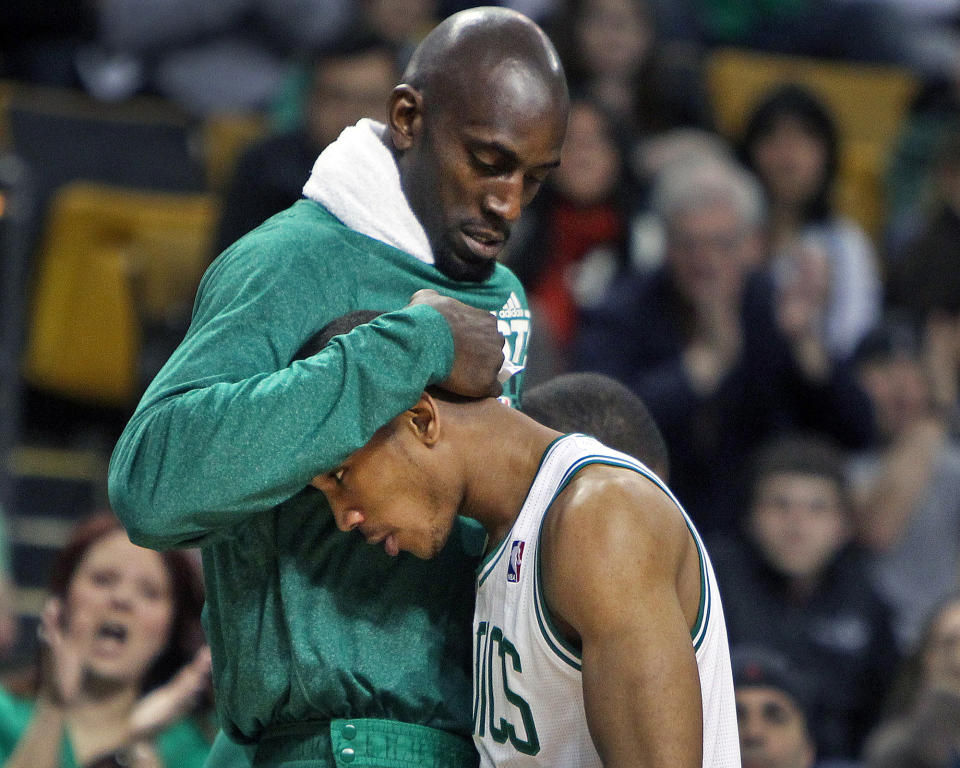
<point x="898" y="389"/>
<point x="119" y="608"/>
<point x="773" y="730"/>
<point x="791" y="161"/>
<point x="709" y="250"/>
<point x="590" y="160"/>
<point x="941" y="660"/>
<point x="613" y="37"/>
<point x="798" y="522"/>
<point x="348" y="88"/>
<point x="404" y="22"/>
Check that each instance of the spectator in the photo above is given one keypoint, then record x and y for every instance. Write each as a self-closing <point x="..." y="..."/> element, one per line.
<point x="121" y="665"/>
<point x="698" y="341"/>
<point x="774" y="704"/>
<point x="907" y="490"/>
<point x="677" y="145"/>
<point x="680" y="145"/>
<point x="790" y="142"/>
<point x="922" y="282"/>
<point x="914" y="182"/>
<point x="793" y="582"/>
<point x="403" y="23"/>
<point x="775" y="707"/>
<point x="923" y="726"/>
<point x="349" y="82"/>
<point x="209" y="57"/>
<point x="612" y="52"/>
<point x="573" y="237"/>
<point x="922" y="275"/>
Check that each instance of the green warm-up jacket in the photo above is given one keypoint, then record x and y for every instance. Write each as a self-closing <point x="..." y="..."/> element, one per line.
<point x="307" y="622"/>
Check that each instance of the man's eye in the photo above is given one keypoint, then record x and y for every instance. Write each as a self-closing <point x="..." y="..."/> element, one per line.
<point x="337" y="474"/>
<point x="536" y="180"/>
<point x="484" y="167"/>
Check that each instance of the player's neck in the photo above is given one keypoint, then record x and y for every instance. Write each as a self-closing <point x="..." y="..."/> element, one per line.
<point x="506" y="456"/>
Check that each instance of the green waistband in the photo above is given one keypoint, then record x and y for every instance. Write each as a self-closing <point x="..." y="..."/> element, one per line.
<point x="363" y="743"/>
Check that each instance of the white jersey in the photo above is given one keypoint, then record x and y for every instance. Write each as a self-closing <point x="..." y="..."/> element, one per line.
<point x="528" y="691"/>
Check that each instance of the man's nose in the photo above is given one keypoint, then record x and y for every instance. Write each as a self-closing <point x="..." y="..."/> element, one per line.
<point x="348" y="519"/>
<point x="505" y="198"/>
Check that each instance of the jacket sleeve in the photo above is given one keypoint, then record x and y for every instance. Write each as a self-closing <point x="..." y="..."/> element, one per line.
<point x="230" y="428"/>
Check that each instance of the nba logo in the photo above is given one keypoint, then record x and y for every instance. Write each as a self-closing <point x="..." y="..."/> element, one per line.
<point x="516" y="556"/>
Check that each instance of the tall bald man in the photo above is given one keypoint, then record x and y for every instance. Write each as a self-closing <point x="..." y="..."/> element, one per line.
<point x="326" y="651"/>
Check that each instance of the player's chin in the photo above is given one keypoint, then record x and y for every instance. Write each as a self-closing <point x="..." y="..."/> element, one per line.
<point x="464" y="267"/>
<point x="430" y="546"/>
<point x="424" y="552"/>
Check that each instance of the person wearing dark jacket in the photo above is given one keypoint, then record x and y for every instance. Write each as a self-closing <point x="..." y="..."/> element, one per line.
<point x="705" y="342"/>
<point x="793" y="582"/>
<point x="348" y="83"/>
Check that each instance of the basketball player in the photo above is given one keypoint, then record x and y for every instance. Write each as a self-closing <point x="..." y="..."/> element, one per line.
<point x="599" y="637"/>
<point x="305" y="623"/>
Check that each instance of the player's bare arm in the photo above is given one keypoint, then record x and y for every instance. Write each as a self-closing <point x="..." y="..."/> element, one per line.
<point x="621" y="576"/>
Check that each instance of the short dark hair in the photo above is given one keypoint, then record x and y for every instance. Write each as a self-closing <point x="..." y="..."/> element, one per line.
<point x="600" y="406"/>
<point x="803" y="454"/>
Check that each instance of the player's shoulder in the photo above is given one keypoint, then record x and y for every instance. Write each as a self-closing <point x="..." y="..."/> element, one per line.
<point x="302" y="245"/>
<point x="608" y="502"/>
<point x="290" y="236"/>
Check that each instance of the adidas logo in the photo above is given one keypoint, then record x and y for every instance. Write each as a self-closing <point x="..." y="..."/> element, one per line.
<point x="513" y="308"/>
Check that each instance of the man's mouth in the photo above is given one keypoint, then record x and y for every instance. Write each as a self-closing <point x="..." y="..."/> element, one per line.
<point x="484" y="243"/>
<point x="391" y="546"/>
<point x="389" y="541"/>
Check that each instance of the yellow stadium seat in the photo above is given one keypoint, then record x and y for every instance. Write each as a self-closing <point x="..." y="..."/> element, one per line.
<point x="225" y="136"/>
<point x="868" y="101"/>
<point x="110" y="258"/>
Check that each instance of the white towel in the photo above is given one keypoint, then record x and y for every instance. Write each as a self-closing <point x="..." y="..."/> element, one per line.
<point x="357" y="180"/>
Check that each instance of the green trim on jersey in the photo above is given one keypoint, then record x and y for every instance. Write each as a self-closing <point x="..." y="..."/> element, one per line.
<point x="563" y="648"/>
<point x="560" y="645"/>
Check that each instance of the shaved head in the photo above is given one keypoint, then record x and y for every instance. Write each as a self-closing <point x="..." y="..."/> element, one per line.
<point x="483" y="43"/>
<point x="476" y="126"/>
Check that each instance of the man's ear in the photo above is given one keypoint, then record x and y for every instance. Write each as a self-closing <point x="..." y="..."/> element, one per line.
<point x="404" y="116"/>
<point x="424" y="419"/>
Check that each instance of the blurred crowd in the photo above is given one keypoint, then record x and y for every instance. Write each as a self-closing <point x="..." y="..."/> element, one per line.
<point x="802" y="364"/>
